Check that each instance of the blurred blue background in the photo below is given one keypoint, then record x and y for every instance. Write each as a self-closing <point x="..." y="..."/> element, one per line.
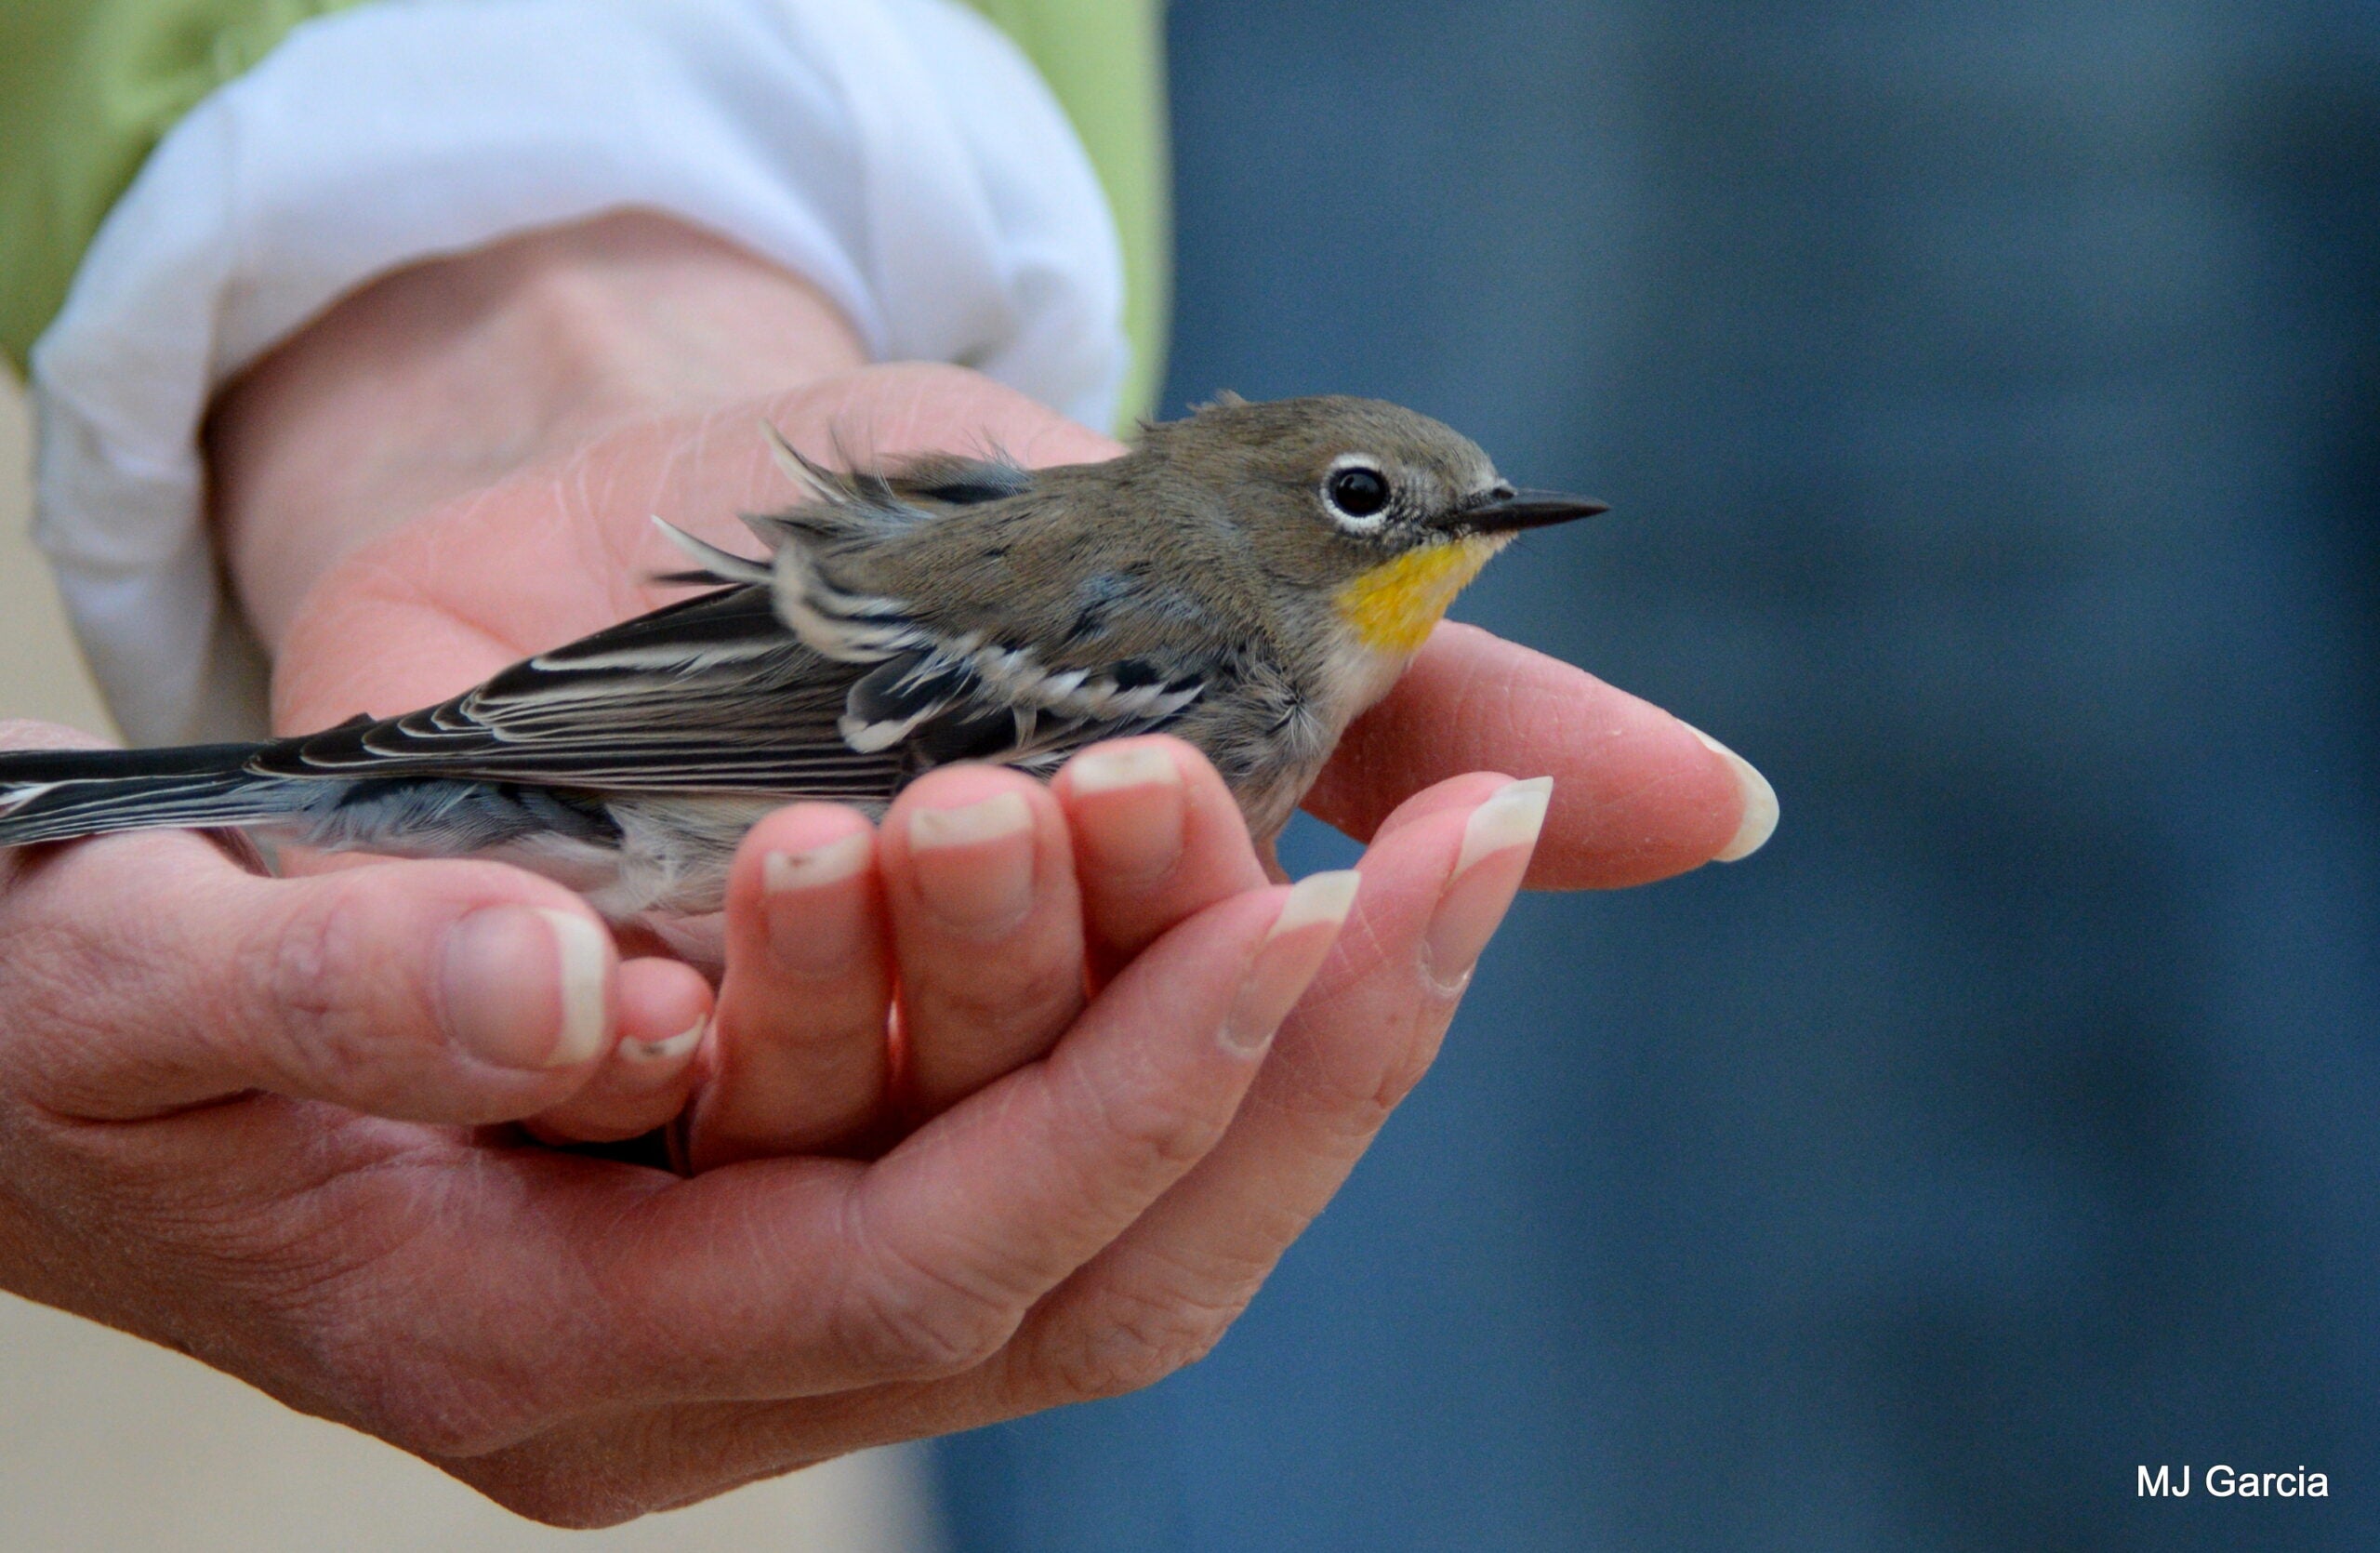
<point x="1987" y="395"/>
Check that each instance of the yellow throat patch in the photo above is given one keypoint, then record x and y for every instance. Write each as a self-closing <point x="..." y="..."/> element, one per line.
<point x="1392" y="607"/>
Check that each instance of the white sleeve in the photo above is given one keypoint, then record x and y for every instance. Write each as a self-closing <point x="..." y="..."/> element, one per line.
<point x="901" y="154"/>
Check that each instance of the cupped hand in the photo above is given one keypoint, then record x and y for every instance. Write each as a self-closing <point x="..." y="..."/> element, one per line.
<point x="244" y="1116"/>
<point x="995" y="904"/>
<point x="203" y="1069"/>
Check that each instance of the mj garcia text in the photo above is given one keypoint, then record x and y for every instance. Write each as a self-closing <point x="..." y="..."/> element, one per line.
<point x="2227" y="1482"/>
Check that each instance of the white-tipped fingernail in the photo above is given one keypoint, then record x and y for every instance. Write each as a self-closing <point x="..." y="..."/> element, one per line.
<point x="491" y="984"/>
<point x="1512" y="817"/>
<point x="973" y="866"/>
<point x="1133" y="765"/>
<point x="1760" y="803"/>
<point x="1277" y="975"/>
<point x="1471" y="907"/>
<point x="662" y="1054"/>
<point x="584" y="960"/>
<point x="829" y="863"/>
<point x="1319" y="897"/>
<point x="971" y="823"/>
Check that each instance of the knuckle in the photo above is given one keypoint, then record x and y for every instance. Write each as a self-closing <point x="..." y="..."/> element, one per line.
<point x="315" y="976"/>
<point x="1003" y="994"/>
<point x="1348" y="1100"/>
<point x="907" y="1331"/>
<point x="1356" y="1079"/>
<point x="1400" y="1074"/>
<point x="292" y="964"/>
<point x="906" y="1318"/>
<point x="1148" y="1121"/>
<point x="1137" y="1340"/>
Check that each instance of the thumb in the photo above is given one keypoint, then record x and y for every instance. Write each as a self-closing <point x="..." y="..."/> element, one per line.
<point x="437" y="991"/>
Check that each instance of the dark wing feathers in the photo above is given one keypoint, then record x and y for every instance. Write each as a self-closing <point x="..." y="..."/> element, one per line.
<point x="714" y="564"/>
<point x="706" y="696"/>
<point x="906" y="690"/>
<point x="955" y="482"/>
<point x="782" y="683"/>
<point x="947" y="479"/>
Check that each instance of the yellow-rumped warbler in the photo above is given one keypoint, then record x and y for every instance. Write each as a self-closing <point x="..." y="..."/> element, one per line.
<point x="1250" y="579"/>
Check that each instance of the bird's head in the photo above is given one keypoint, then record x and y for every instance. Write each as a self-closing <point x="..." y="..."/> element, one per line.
<point x="1389" y="513"/>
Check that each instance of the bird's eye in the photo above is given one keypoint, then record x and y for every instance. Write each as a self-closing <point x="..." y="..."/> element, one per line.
<point x="1357" y="491"/>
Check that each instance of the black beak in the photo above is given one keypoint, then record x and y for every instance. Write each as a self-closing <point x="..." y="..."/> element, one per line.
<point x="1506" y="510"/>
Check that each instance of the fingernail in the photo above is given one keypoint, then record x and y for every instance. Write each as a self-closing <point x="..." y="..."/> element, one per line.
<point x="1127" y="765"/>
<point x="809" y="869"/>
<point x="1760" y="801"/>
<point x="504" y="1007"/>
<point x="974" y="863"/>
<point x="654" y="1059"/>
<point x="1313" y="913"/>
<point x="1473" y="904"/>
<point x="1512" y="817"/>
<point x="1134" y="829"/>
<point x="813" y="929"/>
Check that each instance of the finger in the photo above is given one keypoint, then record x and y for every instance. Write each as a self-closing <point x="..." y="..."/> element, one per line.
<point x="1638" y="795"/>
<point x="463" y="992"/>
<point x="1156" y="836"/>
<point x="1434" y="887"/>
<point x="664" y="1009"/>
<point x="987" y="923"/>
<point x="802" y="1060"/>
<point x="925" y="1262"/>
<point x="684" y="1451"/>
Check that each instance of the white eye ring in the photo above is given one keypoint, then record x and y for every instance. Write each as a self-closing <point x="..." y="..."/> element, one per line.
<point x="1334" y="497"/>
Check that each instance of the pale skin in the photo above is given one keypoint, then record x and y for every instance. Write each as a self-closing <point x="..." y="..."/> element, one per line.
<point x="237" y="1116"/>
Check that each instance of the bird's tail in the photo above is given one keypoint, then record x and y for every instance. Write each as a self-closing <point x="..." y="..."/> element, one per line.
<point x="55" y="795"/>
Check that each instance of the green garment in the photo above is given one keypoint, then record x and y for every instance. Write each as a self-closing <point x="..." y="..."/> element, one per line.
<point x="1104" y="61"/>
<point x="88" y="87"/>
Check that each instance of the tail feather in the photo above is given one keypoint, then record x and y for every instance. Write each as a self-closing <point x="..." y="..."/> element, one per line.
<point x="50" y="795"/>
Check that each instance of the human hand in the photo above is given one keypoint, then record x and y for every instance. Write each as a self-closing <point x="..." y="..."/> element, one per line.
<point x="499" y="567"/>
<point x="201" y="1069"/>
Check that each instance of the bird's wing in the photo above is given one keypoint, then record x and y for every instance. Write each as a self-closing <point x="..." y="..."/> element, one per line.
<point x="799" y="687"/>
<point x="962" y="702"/>
<point x="936" y="693"/>
<point x="710" y="695"/>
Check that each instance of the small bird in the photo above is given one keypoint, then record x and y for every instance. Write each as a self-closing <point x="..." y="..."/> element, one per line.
<point x="1250" y="578"/>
